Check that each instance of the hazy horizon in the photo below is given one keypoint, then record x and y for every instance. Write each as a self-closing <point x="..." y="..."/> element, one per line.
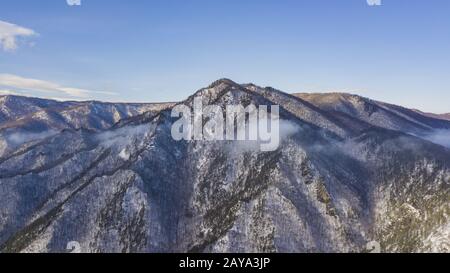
<point x="162" y="102"/>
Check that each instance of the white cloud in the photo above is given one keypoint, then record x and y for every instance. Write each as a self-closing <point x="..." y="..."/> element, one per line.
<point x="441" y="137"/>
<point x="8" y="92"/>
<point x="9" y="34"/>
<point x="21" y="138"/>
<point x="19" y="83"/>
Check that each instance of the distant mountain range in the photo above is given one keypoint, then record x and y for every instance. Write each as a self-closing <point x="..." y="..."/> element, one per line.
<point x="33" y="114"/>
<point x="438" y="116"/>
<point x="355" y="173"/>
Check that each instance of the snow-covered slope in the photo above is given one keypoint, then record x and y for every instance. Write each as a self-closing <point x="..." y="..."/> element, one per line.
<point x="436" y="116"/>
<point x="375" y="113"/>
<point x="14" y="107"/>
<point x="24" y="119"/>
<point x="336" y="184"/>
<point x="39" y="115"/>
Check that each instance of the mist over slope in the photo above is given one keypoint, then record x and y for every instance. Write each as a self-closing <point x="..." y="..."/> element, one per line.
<point x="353" y="171"/>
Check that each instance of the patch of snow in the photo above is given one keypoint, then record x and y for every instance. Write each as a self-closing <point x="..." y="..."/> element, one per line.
<point x="439" y="240"/>
<point x="124" y="154"/>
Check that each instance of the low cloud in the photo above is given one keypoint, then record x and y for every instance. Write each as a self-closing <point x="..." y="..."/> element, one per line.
<point x="21" y="138"/>
<point x="122" y="136"/>
<point x="10" y="34"/>
<point x="9" y="92"/>
<point x="441" y="137"/>
<point x="287" y="129"/>
<point x="20" y="83"/>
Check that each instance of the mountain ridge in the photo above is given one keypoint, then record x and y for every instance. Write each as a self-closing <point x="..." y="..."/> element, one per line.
<point x="332" y="186"/>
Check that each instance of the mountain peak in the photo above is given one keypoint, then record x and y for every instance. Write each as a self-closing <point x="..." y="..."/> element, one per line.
<point x="224" y="81"/>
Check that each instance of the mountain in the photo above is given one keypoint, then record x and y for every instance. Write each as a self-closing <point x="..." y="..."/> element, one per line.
<point x="32" y="114"/>
<point x="24" y="119"/>
<point x="354" y="173"/>
<point x="393" y="117"/>
<point x="437" y="116"/>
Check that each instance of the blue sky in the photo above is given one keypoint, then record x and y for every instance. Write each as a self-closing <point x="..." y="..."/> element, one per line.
<point x="164" y="50"/>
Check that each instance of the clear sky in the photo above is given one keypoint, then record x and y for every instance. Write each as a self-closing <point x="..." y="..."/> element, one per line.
<point x="164" y="50"/>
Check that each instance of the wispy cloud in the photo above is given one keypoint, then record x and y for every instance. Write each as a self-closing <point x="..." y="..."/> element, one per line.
<point x="21" y="138"/>
<point x="11" y="33"/>
<point x="8" y="92"/>
<point x="441" y="137"/>
<point x="15" y="82"/>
